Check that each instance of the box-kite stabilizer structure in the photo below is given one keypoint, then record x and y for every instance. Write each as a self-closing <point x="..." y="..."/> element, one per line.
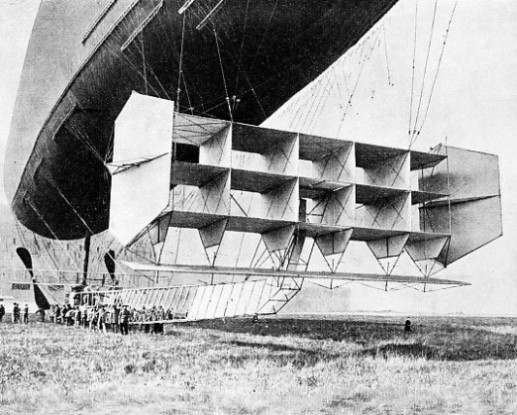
<point x="294" y="195"/>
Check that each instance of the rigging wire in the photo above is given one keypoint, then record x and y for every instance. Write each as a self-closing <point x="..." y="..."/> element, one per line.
<point x="77" y="132"/>
<point x="223" y="74"/>
<point x="132" y="66"/>
<point x="144" y="66"/>
<point x="241" y="50"/>
<point x="364" y="58"/>
<point x="142" y="73"/>
<point x="425" y="70"/>
<point x="77" y="214"/>
<point x="190" y="107"/>
<point x="180" y="68"/>
<point x="413" y="72"/>
<point x="273" y="10"/>
<point x="45" y="223"/>
<point x="324" y="93"/>
<point x="437" y="71"/>
<point x="386" y="54"/>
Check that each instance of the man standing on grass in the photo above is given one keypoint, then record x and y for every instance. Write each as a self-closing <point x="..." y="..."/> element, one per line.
<point x="26" y="314"/>
<point x="116" y="315"/>
<point x="124" y="318"/>
<point x="16" y="313"/>
<point x="77" y="316"/>
<point x="2" y="312"/>
<point x="57" y="314"/>
<point x="102" y="319"/>
<point x="407" y="326"/>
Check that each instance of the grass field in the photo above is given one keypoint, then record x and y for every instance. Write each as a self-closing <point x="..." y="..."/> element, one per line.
<point x="282" y="365"/>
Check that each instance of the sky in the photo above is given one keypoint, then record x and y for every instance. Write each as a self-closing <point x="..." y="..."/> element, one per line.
<point x="473" y="105"/>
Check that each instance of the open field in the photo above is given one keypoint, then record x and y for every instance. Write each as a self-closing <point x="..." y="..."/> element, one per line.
<point x="282" y="365"/>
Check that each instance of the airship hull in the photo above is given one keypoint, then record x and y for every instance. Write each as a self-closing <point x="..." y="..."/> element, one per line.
<point x="85" y="59"/>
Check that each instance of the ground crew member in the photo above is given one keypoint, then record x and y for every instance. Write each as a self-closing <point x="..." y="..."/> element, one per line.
<point x="77" y="316"/>
<point x="16" y="313"/>
<point x="407" y="326"/>
<point x="147" y="318"/>
<point x="116" y="314"/>
<point x="2" y="312"/>
<point x="26" y="314"/>
<point x="101" y="319"/>
<point x="160" y="316"/>
<point x="84" y="317"/>
<point x="57" y="314"/>
<point x="124" y="318"/>
<point x="94" y="314"/>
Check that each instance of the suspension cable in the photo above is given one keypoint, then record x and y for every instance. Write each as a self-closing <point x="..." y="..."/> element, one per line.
<point x="239" y="62"/>
<point x="180" y="68"/>
<point x="223" y="75"/>
<point x="413" y="72"/>
<point x="386" y="54"/>
<point x="425" y="70"/>
<point x="437" y="71"/>
<point x="144" y="66"/>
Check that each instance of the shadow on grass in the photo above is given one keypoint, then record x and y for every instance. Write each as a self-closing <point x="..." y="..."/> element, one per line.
<point x="414" y="350"/>
<point x="361" y="332"/>
<point x="282" y="354"/>
<point x="443" y="341"/>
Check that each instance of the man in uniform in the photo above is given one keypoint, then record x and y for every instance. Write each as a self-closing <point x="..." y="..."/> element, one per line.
<point x="16" y="313"/>
<point x="124" y="318"/>
<point x="26" y="314"/>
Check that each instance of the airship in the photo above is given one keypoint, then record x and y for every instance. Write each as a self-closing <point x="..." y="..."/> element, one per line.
<point x="136" y="120"/>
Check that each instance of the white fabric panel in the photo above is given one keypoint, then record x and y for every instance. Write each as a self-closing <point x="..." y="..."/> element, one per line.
<point x="215" y="297"/>
<point x="217" y="151"/>
<point x="222" y="305"/>
<point x="174" y="298"/>
<point x="429" y="267"/>
<point x="283" y="158"/>
<point x="471" y="174"/>
<point x="212" y="235"/>
<point x="187" y="299"/>
<point x="143" y="128"/>
<point x="244" y="299"/>
<point x="282" y="203"/>
<point x="336" y="209"/>
<point x="178" y="299"/>
<point x="140" y="193"/>
<point x="426" y="248"/>
<point x="333" y="243"/>
<point x="388" y="247"/>
<point x="338" y="166"/>
<point x="193" y="129"/>
<point x="474" y="224"/>
<point x="394" y="214"/>
<point x="198" y="300"/>
<point x="393" y="172"/>
<point x="213" y="198"/>
<point x="204" y="306"/>
<point x="234" y="300"/>
<point x="278" y="239"/>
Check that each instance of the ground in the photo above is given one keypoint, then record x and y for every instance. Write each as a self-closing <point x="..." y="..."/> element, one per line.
<point x="281" y="365"/>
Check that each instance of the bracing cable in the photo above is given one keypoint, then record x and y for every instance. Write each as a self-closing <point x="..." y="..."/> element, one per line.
<point x="425" y="71"/>
<point x="413" y="72"/>
<point x="437" y="71"/>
